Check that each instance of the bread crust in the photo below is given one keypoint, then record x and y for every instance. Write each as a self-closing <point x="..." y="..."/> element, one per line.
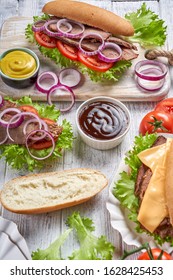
<point x="29" y="179"/>
<point x="90" y="15"/>
<point x="169" y="182"/>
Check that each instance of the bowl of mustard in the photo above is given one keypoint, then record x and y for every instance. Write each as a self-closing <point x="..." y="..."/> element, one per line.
<point x="19" y="67"/>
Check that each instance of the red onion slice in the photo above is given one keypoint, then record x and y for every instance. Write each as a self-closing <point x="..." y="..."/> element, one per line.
<point x="42" y="125"/>
<point x="46" y="134"/>
<point x="141" y="65"/>
<point x="150" y="85"/>
<point x="50" y="32"/>
<point x="69" y="77"/>
<point x="11" y="123"/>
<point x="45" y="81"/>
<point x="19" y="115"/>
<point x="110" y="53"/>
<point x="92" y="36"/>
<point x="63" y="88"/>
<point x="4" y="140"/>
<point x="69" y="28"/>
<point x="39" y="26"/>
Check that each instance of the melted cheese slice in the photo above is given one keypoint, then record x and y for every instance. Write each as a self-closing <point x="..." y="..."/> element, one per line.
<point x="153" y="208"/>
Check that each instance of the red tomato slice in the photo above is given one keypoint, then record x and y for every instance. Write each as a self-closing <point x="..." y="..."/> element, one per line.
<point x="156" y="121"/>
<point x="165" y="105"/>
<point x="94" y="63"/>
<point x="156" y="255"/>
<point x="68" y="51"/>
<point x="44" y="144"/>
<point x="28" y="108"/>
<point x="44" y="40"/>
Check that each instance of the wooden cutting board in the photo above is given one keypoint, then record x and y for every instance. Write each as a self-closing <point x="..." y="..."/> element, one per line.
<point x="12" y="35"/>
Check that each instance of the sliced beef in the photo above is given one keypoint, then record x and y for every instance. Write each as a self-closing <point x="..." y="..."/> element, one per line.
<point x="143" y="178"/>
<point x="128" y="54"/>
<point x="90" y="44"/>
<point x="17" y="133"/>
<point x="121" y="43"/>
<point x="165" y="228"/>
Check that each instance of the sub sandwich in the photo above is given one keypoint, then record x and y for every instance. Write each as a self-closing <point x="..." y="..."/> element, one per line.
<point x="152" y="188"/>
<point x="84" y="35"/>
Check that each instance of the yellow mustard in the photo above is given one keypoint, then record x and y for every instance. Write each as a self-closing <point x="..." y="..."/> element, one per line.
<point x="18" y="64"/>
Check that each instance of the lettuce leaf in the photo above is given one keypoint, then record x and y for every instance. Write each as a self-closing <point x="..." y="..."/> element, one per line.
<point x="18" y="157"/>
<point x="150" y="31"/>
<point x="124" y="188"/>
<point x="91" y="246"/>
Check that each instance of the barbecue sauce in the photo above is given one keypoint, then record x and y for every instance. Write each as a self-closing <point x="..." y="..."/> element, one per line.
<point x="103" y="120"/>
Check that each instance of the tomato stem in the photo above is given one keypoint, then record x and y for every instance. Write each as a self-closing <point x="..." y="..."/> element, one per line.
<point x="157" y="124"/>
<point x="145" y="246"/>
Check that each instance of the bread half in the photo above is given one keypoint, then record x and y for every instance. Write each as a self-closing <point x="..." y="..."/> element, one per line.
<point x="46" y="192"/>
<point x="91" y="15"/>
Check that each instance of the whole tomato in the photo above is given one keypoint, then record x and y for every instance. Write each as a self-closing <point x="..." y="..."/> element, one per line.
<point x="156" y="121"/>
<point x="165" y="105"/>
<point x="157" y="254"/>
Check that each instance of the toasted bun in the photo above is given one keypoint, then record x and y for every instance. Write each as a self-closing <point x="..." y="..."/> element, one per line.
<point x="169" y="182"/>
<point x="90" y="15"/>
<point x="45" y="192"/>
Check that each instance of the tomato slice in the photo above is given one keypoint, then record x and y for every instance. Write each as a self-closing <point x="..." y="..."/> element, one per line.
<point x="44" y="144"/>
<point x="94" y="63"/>
<point x="156" y="255"/>
<point x="68" y="51"/>
<point x="44" y="40"/>
<point x="28" y="108"/>
<point x="165" y="105"/>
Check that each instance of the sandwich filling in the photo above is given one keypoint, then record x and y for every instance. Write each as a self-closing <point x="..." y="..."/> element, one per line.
<point x="150" y="188"/>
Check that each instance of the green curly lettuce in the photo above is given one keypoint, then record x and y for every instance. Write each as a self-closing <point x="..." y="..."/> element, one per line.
<point x="124" y="188"/>
<point x="91" y="246"/>
<point x="17" y="156"/>
<point x="150" y="31"/>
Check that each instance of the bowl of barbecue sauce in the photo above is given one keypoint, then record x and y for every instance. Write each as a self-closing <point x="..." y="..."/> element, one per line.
<point x="102" y="122"/>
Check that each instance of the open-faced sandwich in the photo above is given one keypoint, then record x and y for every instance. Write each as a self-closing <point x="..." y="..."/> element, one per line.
<point x="30" y="133"/>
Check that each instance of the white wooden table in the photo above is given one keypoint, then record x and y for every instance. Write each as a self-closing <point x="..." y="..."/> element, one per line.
<point x="40" y="230"/>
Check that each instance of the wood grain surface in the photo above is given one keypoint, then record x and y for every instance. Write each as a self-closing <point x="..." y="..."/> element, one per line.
<point x="126" y="89"/>
<point x="40" y="230"/>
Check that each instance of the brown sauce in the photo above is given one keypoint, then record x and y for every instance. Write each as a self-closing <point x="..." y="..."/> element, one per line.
<point x="103" y="120"/>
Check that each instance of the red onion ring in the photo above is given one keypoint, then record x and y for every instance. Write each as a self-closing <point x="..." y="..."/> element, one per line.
<point x="42" y="126"/>
<point x="30" y="135"/>
<point x="48" y="31"/>
<point x="66" y="73"/>
<point x="43" y="76"/>
<point x="13" y="124"/>
<point x="113" y="46"/>
<point x="69" y="25"/>
<point x="95" y="36"/>
<point x="3" y="141"/>
<point x="150" y="87"/>
<point x="69" y="90"/>
<point x="39" y="26"/>
<point x="1" y="101"/>
<point x="21" y="114"/>
<point x="157" y="64"/>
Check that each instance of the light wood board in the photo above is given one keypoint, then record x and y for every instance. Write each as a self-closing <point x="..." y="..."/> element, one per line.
<point x="12" y="35"/>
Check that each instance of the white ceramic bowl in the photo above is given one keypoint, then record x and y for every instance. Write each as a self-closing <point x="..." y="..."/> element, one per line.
<point x="106" y="143"/>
